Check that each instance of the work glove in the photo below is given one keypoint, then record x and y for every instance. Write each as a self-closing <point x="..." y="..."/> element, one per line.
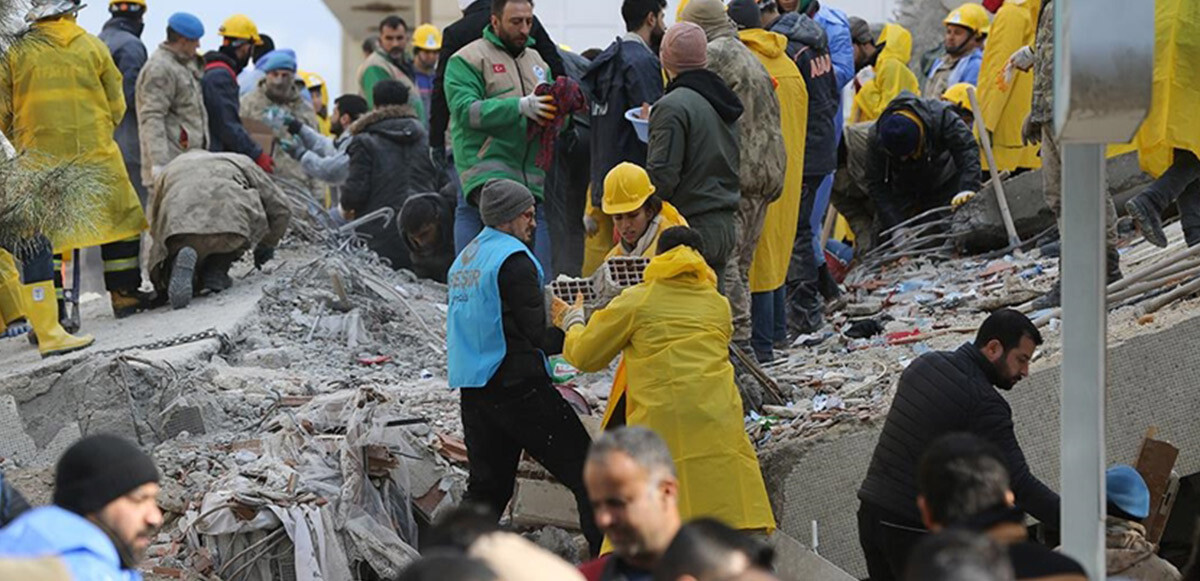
<point x="263" y="255"/>
<point x="1031" y="131"/>
<point x="293" y="147"/>
<point x="265" y="162"/>
<point x="566" y="316"/>
<point x="962" y="198"/>
<point x="590" y="225"/>
<point x="1023" y="59"/>
<point x="293" y="125"/>
<point x="538" y="108"/>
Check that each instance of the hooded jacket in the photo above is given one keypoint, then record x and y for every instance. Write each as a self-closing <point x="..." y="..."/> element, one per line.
<point x="947" y="163"/>
<point x="123" y="38"/>
<point x="809" y="48"/>
<point x="171" y="115"/>
<point x="257" y="105"/>
<point x="941" y="393"/>
<point x="892" y="75"/>
<point x="225" y="128"/>
<point x="389" y="161"/>
<point x="622" y="77"/>
<point x="86" y="550"/>
<point x="64" y="98"/>
<point x="763" y="162"/>
<point x="1004" y="106"/>
<point x="693" y="156"/>
<point x="1130" y="556"/>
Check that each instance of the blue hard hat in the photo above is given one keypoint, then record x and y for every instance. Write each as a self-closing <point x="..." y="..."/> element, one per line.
<point x="187" y="25"/>
<point x="277" y="60"/>
<point x="1127" y="491"/>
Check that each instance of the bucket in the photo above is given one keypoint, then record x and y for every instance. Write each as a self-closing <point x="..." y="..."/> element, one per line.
<point x="642" y="126"/>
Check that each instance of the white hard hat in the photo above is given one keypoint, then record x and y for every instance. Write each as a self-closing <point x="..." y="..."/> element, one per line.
<point x="42" y="9"/>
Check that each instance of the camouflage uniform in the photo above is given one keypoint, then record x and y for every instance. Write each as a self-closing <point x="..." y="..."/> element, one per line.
<point x="255" y="105"/>
<point x="763" y="161"/>
<point x="849" y="194"/>
<point x="170" y="109"/>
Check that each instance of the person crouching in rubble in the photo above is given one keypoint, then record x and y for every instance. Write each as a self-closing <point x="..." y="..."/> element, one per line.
<point x="674" y="330"/>
<point x="922" y="156"/>
<point x="497" y="337"/>
<point x="639" y="216"/>
<point x="105" y="512"/>
<point x="208" y="209"/>
<point x="427" y="226"/>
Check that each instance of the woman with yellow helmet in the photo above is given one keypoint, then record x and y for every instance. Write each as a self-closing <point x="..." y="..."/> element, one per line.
<point x="639" y="216"/>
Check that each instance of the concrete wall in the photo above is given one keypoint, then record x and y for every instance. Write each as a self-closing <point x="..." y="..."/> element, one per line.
<point x="1153" y="379"/>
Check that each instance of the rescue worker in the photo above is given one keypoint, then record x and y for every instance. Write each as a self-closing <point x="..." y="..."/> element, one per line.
<point x="490" y="86"/>
<point x="497" y="337"/>
<point x="105" y="512"/>
<point x="890" y="75"/>
<point x="694" y="155"/>
<point x="427" y="43"/>
<point x="239" y="37"/>
<point x="634" y="485"/>
<point x="427" y="225"/>
<point x="1006" y="93"/>
<point x="625" y="76"/>
<point x="958" y="98"/>
<point x="389" y="61"/>
<point x="674" y="331"/>
<point x="922" y="156"/>
<point x="123" y="36"/>
<point x="940" y="393"/>
<point x="209" y="209"/>
<point x="1169" y="140"/>
<point x="638" y="215"/>
<point x="850" y="195"/>
<point x="1128" y="553"/>
<point x="170" y="100"/>
<point x="389" y="161"/>
<point x="963" y="58"/>
<point x="278" y="92"/>
<point x="763" y="164"/>
<point x="323" y="158"/>
<point x="72" y="116"/>
<point x="319" y="99"/>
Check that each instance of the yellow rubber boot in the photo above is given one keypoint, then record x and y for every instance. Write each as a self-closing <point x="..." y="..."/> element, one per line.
<point x="41" y="309"/>
<point x="10" y="290"/>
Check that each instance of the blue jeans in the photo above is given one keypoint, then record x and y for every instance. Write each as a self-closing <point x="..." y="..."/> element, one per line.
<point x="768" y="315"/>
<point x="817" y="219"/>
<point x="468" y="225"/>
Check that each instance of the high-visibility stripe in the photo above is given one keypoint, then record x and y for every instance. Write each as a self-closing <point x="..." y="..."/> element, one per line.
<point x="120" y="264"/>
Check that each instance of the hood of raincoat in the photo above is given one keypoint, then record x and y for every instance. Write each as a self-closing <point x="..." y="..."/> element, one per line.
<point x="897" y="42"/>
<point x="681" y="263"/>
<point x="763" y="42"/>
<point x="709" y="15"/>
<point x="800" y="28"/>
<point x="1125" y="545"/>
<point x="713" y="89"/>
<point x="61" y="31"/>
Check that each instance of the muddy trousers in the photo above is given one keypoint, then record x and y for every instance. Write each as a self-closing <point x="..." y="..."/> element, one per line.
<point x="503" y="419"/>
<point x="748" y="227"/>
<point x="886" y="542"/>
<point x="122" y="267"/>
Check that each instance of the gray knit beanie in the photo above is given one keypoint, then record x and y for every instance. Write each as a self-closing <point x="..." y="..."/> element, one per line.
<point x="501" y="201"/>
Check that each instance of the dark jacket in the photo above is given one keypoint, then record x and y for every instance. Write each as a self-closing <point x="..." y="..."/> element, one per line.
<point x="434" y="261"/>
<point x="527" y="334"/>
<point x="123" y="38"/>
<point x="223" y="103"/>
<point x="12" y="504"/>
<point x="809" y="47"/>
<point x="694" y="156"/>
<point x="464" y="31"/>
<point x="389" y="161"/>
<point x="947" y="165"/>
<point x="940" y="393"/>
<point x="622" y="77"/>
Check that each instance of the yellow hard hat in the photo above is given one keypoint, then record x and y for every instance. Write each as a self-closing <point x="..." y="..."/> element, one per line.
<point x="679" y="10"/>
<point x="427" y="37"/>
<point x="626" y="188"/>
<point x="957" y="94"/>
<point x="141" y="3"/>
<point x="311" y="80"/>
<point x="970" y="16"/>
<point x="241" y="27"/>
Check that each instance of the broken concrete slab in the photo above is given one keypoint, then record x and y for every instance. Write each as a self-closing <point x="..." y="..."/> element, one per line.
<point x="539" y="503"/>
<point x="796" y="562"/>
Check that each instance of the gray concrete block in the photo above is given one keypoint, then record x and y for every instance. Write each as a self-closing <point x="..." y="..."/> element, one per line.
<point x="796" y="562"/>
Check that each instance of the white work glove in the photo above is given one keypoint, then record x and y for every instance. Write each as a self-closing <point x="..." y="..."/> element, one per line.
<point x="538" y="108"/>
<point x="962" y="198"/>
<point x="1023" y="60"/>
<point x="590" y="225"/>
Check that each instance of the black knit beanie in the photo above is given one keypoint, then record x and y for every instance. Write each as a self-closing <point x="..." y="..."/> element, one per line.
<point x="98" y="470"/>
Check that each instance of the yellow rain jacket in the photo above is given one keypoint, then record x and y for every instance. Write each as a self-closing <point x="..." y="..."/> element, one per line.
<point x="892" y="75"/>
<point x="674" y="330"/>
<point x="1174" y="119"/>
<point x="64" y="98"/>
<point x="10" y="290"/>
<point x="774" y="251"/>
<point x="1005" y="107"/>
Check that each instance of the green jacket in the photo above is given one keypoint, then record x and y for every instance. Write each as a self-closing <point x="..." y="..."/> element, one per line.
<point x="484" y="85"/>
<point x="378" y="67"/>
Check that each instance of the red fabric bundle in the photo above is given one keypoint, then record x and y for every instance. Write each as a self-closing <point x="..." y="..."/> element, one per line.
<point x="569" y="99"/>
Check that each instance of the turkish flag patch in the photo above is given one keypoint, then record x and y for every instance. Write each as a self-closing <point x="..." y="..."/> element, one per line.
<point x="499" y="69"/>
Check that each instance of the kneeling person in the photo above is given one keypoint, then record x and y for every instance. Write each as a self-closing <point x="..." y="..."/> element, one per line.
<point x="208" y="209"/>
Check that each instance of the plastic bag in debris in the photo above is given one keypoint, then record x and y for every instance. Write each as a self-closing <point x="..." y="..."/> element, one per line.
<point x="562" y="372"/>
<point x="318" y="554"/>
<point x="378" y="545"/>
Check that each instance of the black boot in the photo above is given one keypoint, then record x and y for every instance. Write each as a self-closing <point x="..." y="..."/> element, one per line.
<point x="828" y="286"/>
<point x="1114" y="265"/>
<point x="1148" y="220"/>
<point x="215" y="273"/>
<point x="183" y="270"/>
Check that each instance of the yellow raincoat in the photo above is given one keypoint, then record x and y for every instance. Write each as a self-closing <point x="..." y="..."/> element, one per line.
<point x="64" y="98"/>
<point x="1174" y="119"/>
<point x="10" y="290"/>
<point x="892" y="75"/>
<point x="1005" y="107"/>
<point x="674" y="330"/>
<point x="774" y="251"/>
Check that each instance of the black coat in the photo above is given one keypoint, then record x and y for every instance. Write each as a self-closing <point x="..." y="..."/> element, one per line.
<point x="948" y="165"/>
<point x="434" y="262"/>
<point x="464" y="31"/>
<point x="389" y="161"/>
<point x="227" y="134"/>
<point x="941" y="393"/>
<point x="808" y="46"/>
<point x="527" y="333"/>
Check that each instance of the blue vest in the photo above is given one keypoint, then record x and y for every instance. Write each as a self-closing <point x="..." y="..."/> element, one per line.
<point x="82" y="546"/>
<point x="965" y="71"/>
<point x="475" y="325"/>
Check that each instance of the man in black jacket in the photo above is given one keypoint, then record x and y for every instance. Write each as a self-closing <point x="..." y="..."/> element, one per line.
<point x="221" y="97"/>
<point x="940" y="393"/>
<point x="389" y="162"/>
<point x="427" y="225"/>
<point x="922" y="157"/>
